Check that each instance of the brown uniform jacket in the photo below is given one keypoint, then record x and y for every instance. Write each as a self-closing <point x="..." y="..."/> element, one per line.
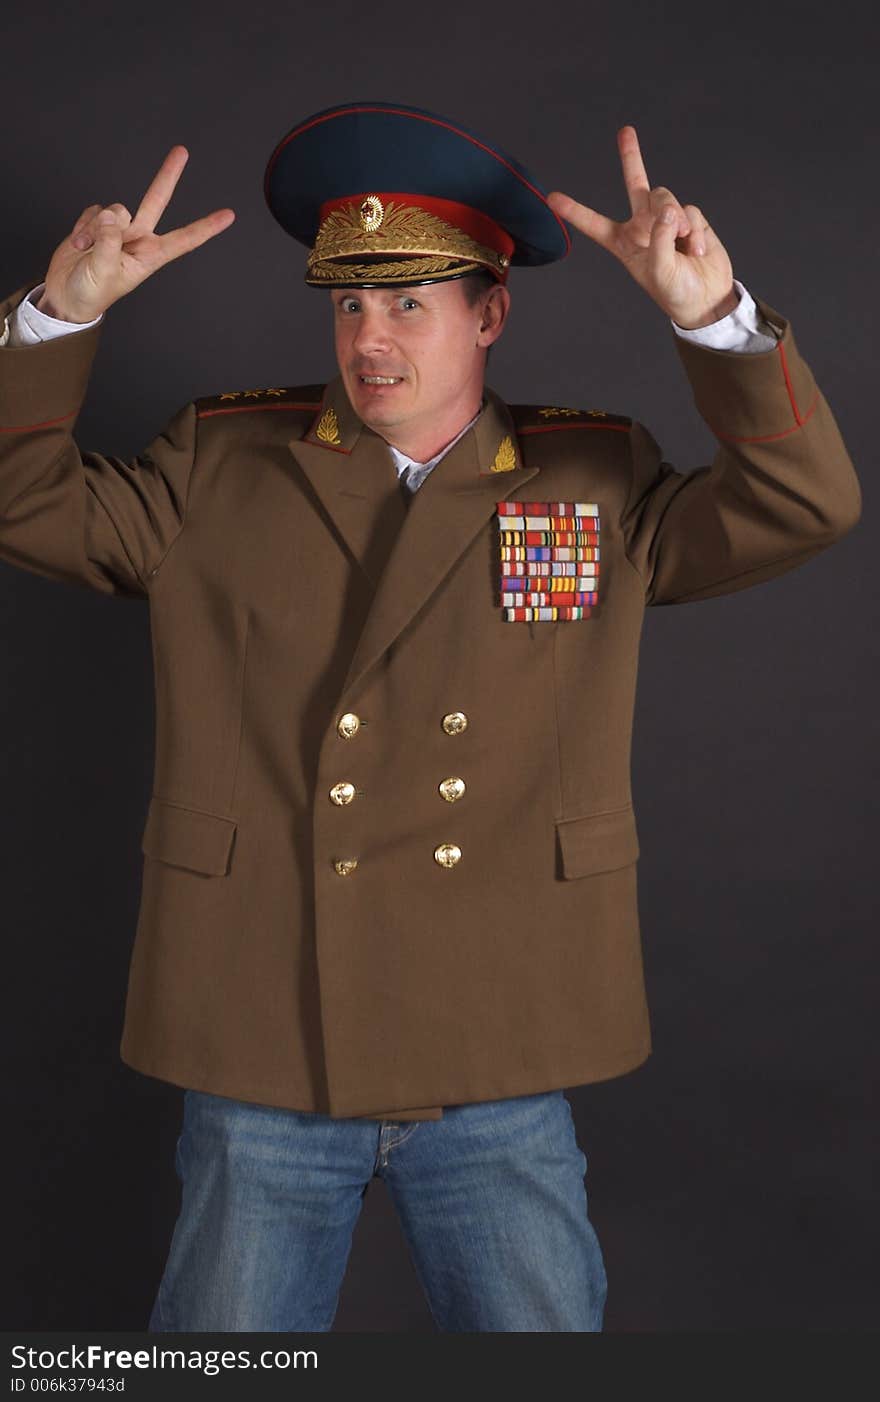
<point x="289" y="586"/>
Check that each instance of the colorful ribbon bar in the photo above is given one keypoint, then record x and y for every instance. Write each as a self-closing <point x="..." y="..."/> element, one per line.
<point x="549" y="552"/>
<point x="555" y="508"/>
<point x="550" y="523"/>
<point x="549" y="559"/>
<point x="551" y="597"/>
<point x="545" y="615"/>
<point x="551" y="567"/>
<point x="549" y="538"/>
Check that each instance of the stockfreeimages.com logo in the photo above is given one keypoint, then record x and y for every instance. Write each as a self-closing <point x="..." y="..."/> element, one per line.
<point x="209" y="1361"/>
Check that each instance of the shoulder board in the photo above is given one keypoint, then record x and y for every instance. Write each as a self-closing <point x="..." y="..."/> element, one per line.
<point x="306" y="398"/>
<point x="535" y="418"/>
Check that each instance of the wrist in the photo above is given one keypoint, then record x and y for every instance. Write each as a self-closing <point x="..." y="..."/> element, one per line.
<point x="43" y="304"/>
<point x="716" y="313"/>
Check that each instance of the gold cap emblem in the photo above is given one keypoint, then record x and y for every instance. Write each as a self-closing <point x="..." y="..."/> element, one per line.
<point x="424" y="245"/>
<point x="372" y="213"/>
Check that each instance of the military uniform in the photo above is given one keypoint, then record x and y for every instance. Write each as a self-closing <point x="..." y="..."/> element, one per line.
<point x="391" y="850"/>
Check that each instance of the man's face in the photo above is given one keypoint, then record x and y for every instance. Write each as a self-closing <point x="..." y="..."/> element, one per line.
<point x="427" y="340"/>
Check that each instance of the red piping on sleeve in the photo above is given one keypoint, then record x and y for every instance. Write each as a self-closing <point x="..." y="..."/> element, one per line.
<point x="28" y="428"/>
<point x="788" y="385"/>
<point x="769" y="437"/>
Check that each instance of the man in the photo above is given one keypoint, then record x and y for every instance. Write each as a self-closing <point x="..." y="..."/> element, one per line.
<point x="391" y="849"/>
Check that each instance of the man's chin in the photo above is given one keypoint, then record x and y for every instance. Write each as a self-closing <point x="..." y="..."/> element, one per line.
<point x="385" y="407"/>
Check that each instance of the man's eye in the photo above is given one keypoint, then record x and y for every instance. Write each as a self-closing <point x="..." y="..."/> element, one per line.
<point x="409" y="301"/>
<point x="349" y="303"/>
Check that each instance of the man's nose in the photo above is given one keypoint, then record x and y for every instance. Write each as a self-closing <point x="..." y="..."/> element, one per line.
<point x="372" y="333"/>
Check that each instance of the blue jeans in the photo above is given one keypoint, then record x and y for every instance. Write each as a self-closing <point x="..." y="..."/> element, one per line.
<point x="490" y="1198"/>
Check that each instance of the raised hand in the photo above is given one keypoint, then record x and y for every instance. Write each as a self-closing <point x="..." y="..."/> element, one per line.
<point x="107" y="253"/>
<point x="670" y="249"/>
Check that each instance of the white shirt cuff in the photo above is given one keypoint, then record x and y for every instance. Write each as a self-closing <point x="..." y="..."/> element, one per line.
<point x="27" y="325"/>
<point x="741" y="330"/>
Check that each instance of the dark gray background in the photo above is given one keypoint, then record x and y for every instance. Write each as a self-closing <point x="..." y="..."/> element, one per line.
<point x="732" y="1179"/>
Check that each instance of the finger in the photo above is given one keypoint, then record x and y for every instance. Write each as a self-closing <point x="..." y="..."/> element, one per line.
<point x="179" y="241"/>
<point x="160" y="190"/>
<point x="88" y="230"/>
<point x="662" y="244"/>
<point x="635" y="176"/>
<point x="88" y="213"/>
<point x="108" y="242"/>
<point x="695" y="241"/>
<point x="123" y="218"/>
<point x="596" y="226"/>
<point x="660" y="197"/>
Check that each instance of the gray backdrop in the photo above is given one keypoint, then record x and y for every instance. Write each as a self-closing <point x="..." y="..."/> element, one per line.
<point x="730" y="1178"/>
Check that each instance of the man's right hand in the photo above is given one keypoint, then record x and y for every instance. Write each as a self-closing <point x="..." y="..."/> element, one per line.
<point x="107" y="253"/>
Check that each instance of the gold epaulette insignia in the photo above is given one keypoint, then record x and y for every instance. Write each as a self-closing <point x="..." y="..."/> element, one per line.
<point x="250" y="393"/>
<point x="530" y="418"/>
<point x="241" y="401"/>
<point x="505" y="458"/>
<point x="577" y="413"/>
<point x="328" y="427"/>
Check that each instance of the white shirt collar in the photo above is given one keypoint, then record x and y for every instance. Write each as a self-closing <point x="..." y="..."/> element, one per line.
<point x="417" y="471"/>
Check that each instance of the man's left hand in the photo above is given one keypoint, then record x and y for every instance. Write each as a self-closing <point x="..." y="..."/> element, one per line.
<point x="680" y="262"/>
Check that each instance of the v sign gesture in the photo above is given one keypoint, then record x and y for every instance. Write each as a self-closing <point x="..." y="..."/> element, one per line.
<point x="107" y="253"/>
<point x="670" y="249"/>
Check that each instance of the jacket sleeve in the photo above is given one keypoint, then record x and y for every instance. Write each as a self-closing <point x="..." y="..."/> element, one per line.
<point x="780" y="488"/>
<point x="83" y="518"/>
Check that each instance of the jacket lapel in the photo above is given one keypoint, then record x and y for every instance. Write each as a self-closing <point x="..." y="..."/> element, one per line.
<point x="350" y="468"/>
<point x="352" y="474"/>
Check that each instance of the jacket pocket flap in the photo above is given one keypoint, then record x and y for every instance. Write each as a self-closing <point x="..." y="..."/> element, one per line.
<point x="186" y="837"/>
<point x="598" y="841"/>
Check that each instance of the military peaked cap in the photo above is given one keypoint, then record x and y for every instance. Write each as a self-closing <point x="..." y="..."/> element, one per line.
<point x="383" y="194"/>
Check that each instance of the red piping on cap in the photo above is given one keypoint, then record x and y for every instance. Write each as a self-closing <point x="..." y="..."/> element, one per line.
<point x="398" y="112"/>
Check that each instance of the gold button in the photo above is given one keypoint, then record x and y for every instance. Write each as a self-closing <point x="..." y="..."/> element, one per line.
<point x="345" y="868"/>
<point x="454" y="722"/>
<point x="451" y="788"/>
<point x="343" y="792"/>
<point x="349" y="725"/>
<point x="447" y="854"/>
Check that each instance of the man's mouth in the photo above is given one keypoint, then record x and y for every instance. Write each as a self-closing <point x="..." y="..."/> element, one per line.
<point x="380" y="379"/>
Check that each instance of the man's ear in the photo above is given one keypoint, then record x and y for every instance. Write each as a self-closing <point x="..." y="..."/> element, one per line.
<point x="494" y="314"/>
